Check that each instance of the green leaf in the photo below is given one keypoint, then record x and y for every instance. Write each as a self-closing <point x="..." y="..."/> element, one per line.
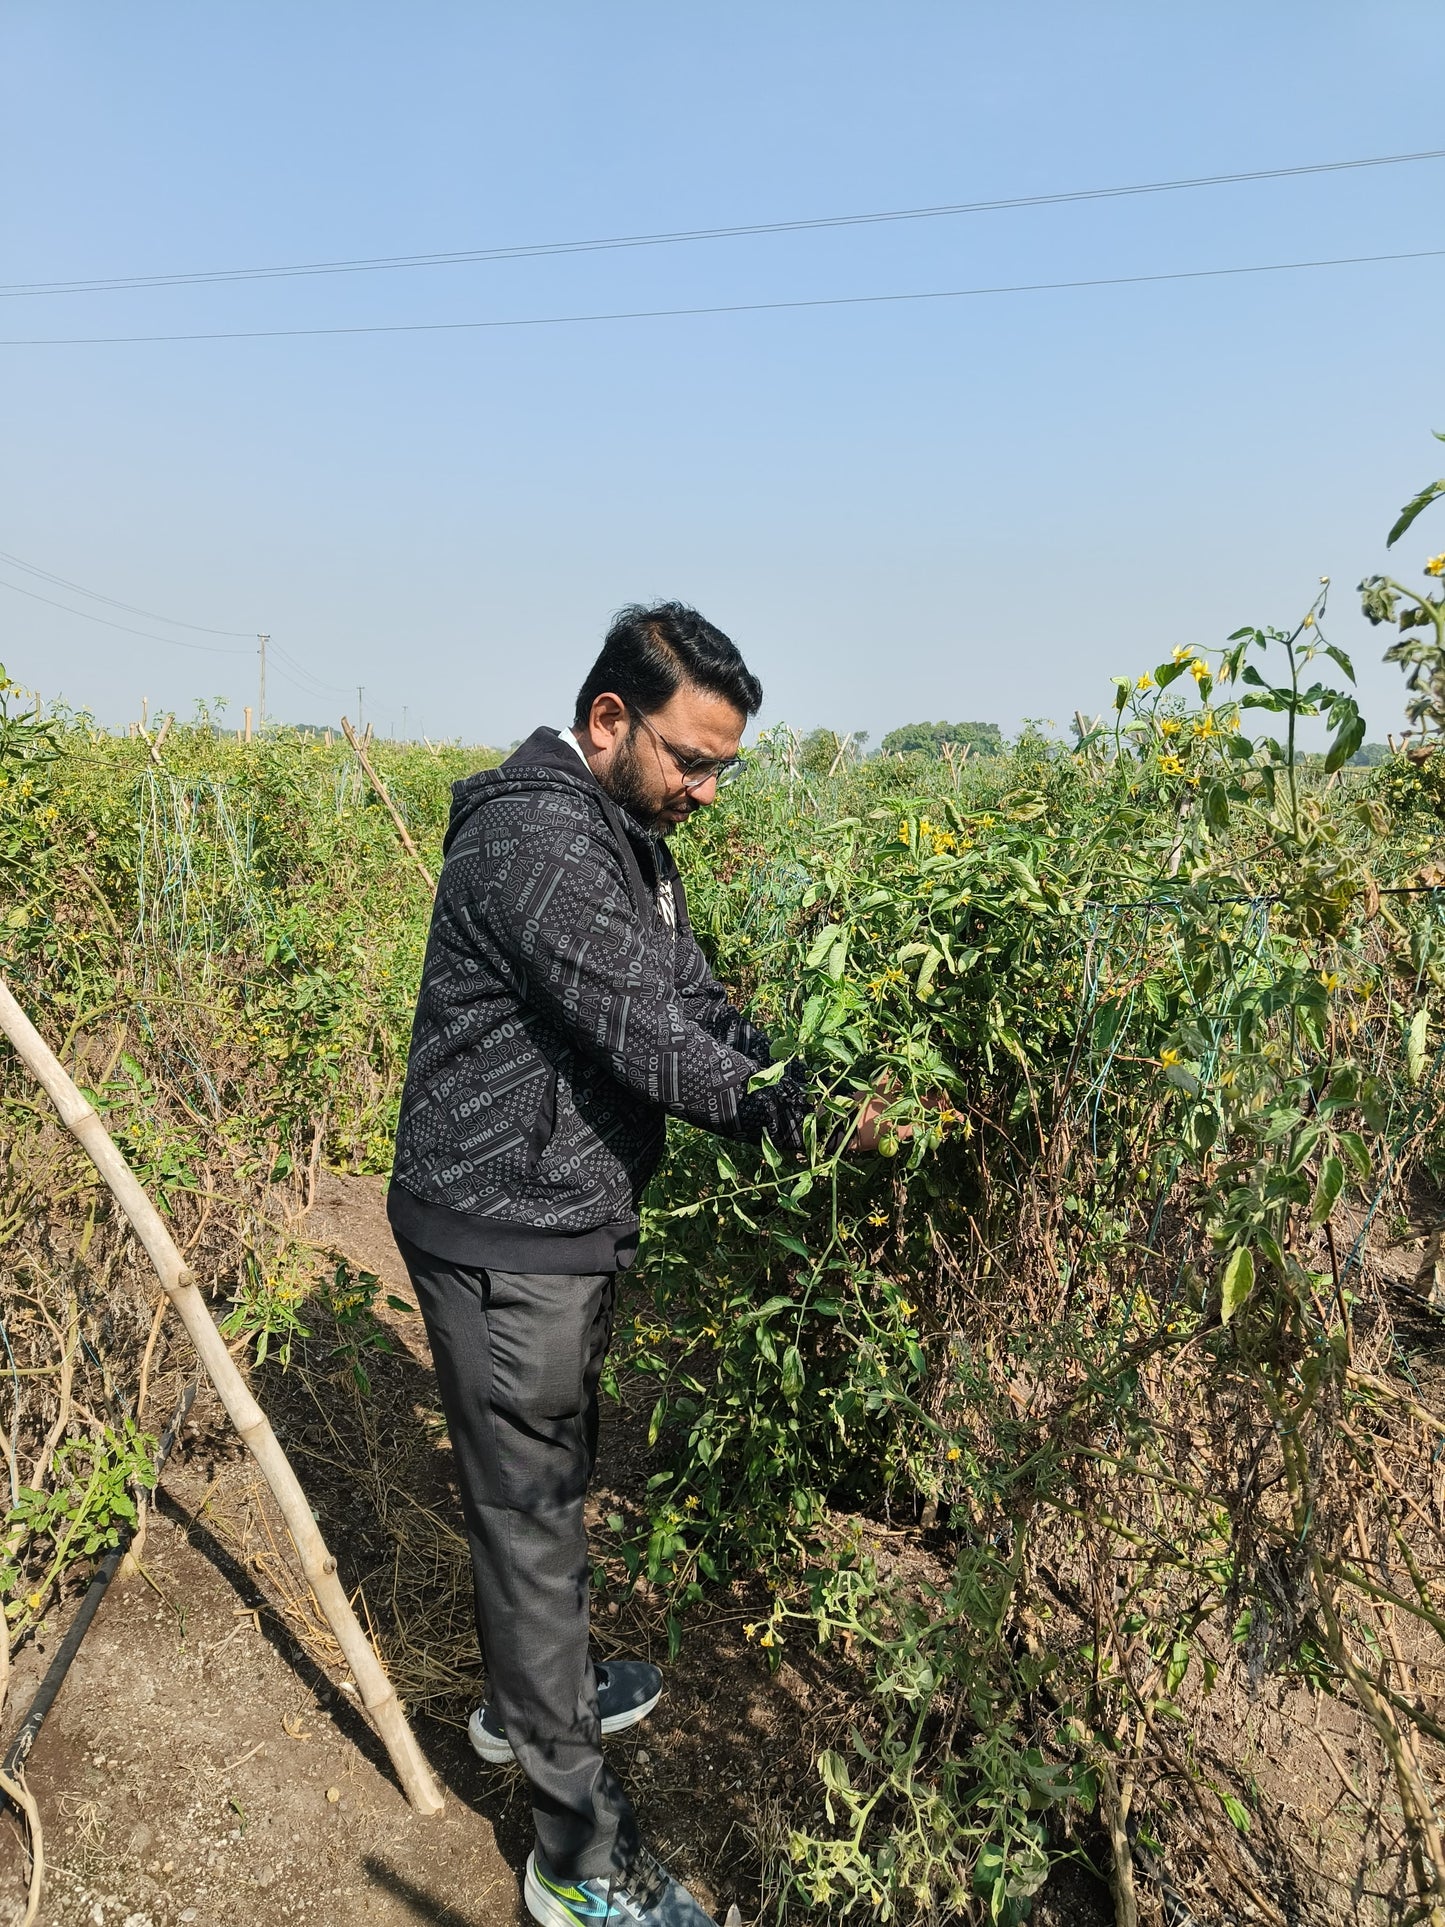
<point x="1238" y="1816"/>
<point x="1236" y="1284"/>
<point x="795" y="1245"/>
<point x="1415" y="1042"/>
<point x="1352" y="734"/>
<point x="793" y="1374"/>
<point x="822" y="944"/>
<point x="1353" y="1146"/>
<point x="1327" y="1190"/>
<point x="1339" y="656"/>
<point x="1169" y="672"/>
<point x="1216" y="807"/>
<point x="1412" y="508"/>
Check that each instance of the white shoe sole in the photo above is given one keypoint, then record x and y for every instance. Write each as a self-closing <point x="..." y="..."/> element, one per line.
<point x="497" y="1751"/>
<point x="541" y="1905"/>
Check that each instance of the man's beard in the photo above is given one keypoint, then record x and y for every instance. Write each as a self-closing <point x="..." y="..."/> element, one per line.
<point x="626" y="784"/>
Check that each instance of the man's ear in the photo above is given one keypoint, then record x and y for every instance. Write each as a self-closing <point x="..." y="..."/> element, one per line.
<point x="607" y="722"/>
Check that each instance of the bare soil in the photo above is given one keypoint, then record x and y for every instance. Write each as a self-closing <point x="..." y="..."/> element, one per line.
<point x="206" y="1763"/>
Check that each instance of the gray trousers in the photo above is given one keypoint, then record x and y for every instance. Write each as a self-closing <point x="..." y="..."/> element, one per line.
<point x="518" y="1358"/>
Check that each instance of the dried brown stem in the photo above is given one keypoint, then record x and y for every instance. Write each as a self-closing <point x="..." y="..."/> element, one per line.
<point x="22" y="1798"/>
<point x="377" y="1693"/>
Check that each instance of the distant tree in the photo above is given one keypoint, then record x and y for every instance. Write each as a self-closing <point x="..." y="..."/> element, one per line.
<point x="927" y="739"/>
<point x="1370" y="756"/>
<point x="824" y="747"/>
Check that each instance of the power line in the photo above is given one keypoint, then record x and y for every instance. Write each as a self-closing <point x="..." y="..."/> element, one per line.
<point x="319" y="685"/>
<point x="534" y="249"/>
<point x="298" y="672"/>
<point x="76" y="588"/>
<point x="732" y="307"/>
<point x="208" y="648"/>
<point x="285" y="674"/>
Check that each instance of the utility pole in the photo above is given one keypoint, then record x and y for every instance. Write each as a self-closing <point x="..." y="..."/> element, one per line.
<point x="261" y="708"/>
<point x="360" y="717"/>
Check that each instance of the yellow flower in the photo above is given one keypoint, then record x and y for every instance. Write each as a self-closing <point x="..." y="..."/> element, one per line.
<point x="902" y="832"/>
<point x="1170" y="726"/>
<point x="953" y="1453"/>
<point x="1205" y="725"/>
<point x="1168" y="1057"/>
<point x="1330" y="979"/>
<point x="905" y="1310"/>
<point x="1193" y="780"/>
<point x="1199" y="669"/>
<point x="943" y="840"/>
<point x="1309" y="622"/>
<point x="767" y="1640"/>
<point x="985" y="822"/>
<point x="877" y="1217"/>
<point x="1171" y="766"/>
<point x="750" y="1632"/>
<point x="1183" y="652"/>
<point x="692" y="1502"/>
<point x="1436" y="565"/>
<point x="1231" y="722"/>
<point x="1146" y="681"/>
<point x="35" y="1601"/>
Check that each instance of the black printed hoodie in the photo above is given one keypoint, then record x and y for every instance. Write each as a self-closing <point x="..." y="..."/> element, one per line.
<point x="565" y="1011"/>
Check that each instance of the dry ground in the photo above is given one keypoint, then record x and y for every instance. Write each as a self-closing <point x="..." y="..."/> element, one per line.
<point x="200" y="1765"/>
<point x="204" y="1765"/>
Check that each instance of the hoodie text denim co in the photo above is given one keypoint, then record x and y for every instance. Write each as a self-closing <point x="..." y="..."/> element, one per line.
<point x="565" y="1010"/>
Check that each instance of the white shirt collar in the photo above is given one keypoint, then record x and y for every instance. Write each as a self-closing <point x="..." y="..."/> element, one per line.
<point x="571" y="741"/>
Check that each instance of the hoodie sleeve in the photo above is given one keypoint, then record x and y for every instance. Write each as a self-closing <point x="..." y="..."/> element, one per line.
<point x="562" y="915"/>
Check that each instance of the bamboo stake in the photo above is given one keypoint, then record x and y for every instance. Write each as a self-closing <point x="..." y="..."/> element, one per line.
<point x="377" y="1693"/>
<point x="385" y="794"/>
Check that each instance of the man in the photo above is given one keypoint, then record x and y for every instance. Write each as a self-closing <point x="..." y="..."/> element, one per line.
<point x="565" y="1011"/>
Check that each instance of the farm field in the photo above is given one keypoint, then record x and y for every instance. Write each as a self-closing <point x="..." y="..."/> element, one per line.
<point x="1064" y="1485"/>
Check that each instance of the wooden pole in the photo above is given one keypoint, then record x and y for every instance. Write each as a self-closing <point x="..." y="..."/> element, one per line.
<point x="843" y="748"/>
<point x="154" y="743"/>
<point x="385" y="794"/>
<point x="247" y="714"/>
<point x="377" y="1693"/>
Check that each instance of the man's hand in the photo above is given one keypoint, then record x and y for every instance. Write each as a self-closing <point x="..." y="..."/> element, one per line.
<point x="870" y="1133"/>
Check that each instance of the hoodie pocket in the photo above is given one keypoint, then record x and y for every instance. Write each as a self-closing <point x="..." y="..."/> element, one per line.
<point x="545" y="1122"/>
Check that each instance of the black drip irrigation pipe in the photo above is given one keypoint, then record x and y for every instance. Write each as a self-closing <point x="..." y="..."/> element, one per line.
<point x="18" y="1750"/>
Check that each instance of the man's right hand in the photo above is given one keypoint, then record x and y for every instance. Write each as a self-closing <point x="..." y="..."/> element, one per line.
<point x="870" y="1128"/>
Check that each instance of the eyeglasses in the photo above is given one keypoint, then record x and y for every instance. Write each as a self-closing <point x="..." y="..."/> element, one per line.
<point x="695" y="771"/>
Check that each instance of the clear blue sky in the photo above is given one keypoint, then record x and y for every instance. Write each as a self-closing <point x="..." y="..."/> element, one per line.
<point x="977" y="508"/>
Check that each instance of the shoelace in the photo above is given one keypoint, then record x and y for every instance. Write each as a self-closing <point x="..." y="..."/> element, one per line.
<point x="645" y="1881"/>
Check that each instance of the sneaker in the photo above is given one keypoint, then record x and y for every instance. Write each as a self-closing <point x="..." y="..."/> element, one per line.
<point x="627" y="1691"/>
<point x="645" y="1896"/>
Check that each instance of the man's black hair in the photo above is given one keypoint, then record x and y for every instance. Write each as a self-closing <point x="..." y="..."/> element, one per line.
<point x="650" y="653"/>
